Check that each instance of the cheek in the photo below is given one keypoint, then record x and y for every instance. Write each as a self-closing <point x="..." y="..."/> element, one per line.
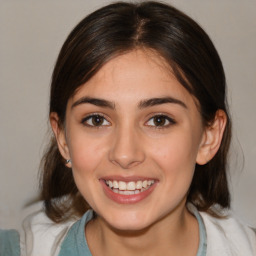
<point x="176" y="158"/>
<point x="175" y="151"/>
<point x="86" y="154"/>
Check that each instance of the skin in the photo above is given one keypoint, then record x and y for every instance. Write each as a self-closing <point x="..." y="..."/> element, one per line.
<point x="129" y="143"/>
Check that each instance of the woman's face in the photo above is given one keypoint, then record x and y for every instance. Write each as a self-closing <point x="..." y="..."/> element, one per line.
<point x="133" y="134"/>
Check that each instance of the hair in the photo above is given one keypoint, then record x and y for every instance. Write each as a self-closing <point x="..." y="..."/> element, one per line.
<point x="117" y="29"/>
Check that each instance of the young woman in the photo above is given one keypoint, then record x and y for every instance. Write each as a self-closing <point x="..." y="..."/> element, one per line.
<point x="137" y="163"/>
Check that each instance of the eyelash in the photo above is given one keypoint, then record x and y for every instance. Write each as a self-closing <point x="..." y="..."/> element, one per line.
<point x="88" y="121"/>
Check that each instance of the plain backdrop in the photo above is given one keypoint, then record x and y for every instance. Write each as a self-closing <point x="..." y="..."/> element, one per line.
<point x="31" y="34"/>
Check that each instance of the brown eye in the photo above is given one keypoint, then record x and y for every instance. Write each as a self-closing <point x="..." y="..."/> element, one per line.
<point x="160" y="121"/>
<point x="95" y="121"/>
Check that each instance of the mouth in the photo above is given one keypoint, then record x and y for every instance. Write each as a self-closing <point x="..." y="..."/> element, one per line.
<point x="130" y="187"/>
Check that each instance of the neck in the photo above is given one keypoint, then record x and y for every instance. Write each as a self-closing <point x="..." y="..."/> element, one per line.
<point x="175" y="234"/>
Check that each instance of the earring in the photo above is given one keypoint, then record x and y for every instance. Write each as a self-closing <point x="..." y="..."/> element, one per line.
<point x="68" y="161"/>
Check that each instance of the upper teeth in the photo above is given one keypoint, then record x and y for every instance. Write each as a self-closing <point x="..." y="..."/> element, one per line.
<point x="131" y="185"/>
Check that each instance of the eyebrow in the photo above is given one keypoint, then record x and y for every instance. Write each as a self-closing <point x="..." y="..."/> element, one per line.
<point x="94" y="101"/>
<point x="158" y="101"/>
<point x="143" y="104"/>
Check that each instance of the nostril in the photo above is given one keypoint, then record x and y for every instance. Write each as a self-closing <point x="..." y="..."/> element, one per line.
<point x="125" y="164"/>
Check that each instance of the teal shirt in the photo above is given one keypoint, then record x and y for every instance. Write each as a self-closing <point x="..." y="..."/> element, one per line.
<point x="9" y="243"/>
<point x="75" y="243"/>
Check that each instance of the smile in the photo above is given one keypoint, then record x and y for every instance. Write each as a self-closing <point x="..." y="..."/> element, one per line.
<point x="129" y="188"/>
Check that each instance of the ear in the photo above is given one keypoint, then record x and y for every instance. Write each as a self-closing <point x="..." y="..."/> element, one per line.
<point x="212" y="138"/>
<point x="59" y="133"/>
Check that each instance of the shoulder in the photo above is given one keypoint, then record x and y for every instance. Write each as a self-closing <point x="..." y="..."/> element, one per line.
<point x="41" y="236"/>
<point x="228" y="236"/>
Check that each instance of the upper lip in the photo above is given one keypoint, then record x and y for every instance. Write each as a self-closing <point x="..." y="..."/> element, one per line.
<point x="127" y="179"/>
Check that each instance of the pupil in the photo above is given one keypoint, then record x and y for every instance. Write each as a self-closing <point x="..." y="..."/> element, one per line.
<point x="97" y="120"/>
<point x="159" y="120"/>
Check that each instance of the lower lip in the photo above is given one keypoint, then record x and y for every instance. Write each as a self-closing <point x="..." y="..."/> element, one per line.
<point x="127" y="199"/>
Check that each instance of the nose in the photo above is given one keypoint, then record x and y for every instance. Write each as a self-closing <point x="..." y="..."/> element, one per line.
<point x="126" y="148"/>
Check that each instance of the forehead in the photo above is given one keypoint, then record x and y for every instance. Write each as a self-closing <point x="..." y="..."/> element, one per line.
<point x="133" y="75"/>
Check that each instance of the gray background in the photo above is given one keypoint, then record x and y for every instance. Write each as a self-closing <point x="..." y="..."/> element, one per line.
<point x="31" y="34"/>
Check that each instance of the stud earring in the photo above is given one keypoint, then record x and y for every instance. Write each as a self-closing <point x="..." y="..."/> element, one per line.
<point x="68" y="161"/>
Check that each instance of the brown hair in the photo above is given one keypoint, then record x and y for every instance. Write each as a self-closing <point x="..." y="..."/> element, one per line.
<point x="114" y="30"/>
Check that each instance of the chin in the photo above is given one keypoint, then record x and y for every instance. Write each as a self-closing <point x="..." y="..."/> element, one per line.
<point x="128" y="226"/>
<point x="129" y="221"/>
